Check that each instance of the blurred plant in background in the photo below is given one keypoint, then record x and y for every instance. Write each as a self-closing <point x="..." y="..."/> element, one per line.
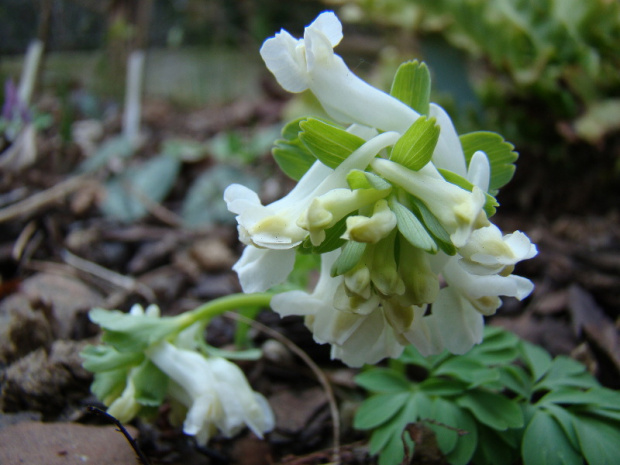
<point x="545" y="71"/>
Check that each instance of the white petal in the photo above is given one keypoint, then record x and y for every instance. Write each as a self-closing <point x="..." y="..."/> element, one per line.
<point x="458" y="322"/>
<point x="448" y="153"/>
<point x="521" y="245"/>
<point x="479" y="171"/>
<point x="329" y="25"/>
<point x="295" y="303"/>
<point x="261" y="269"/>
<point x="282" y="57"/>
<point x="239" y="198"/>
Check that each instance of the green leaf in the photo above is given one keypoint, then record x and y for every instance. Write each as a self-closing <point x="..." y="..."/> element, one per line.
<point x="536" y="359"/>
<point x="466" y="443"/>
<point x="564" y="372"/>
<point x="129" y="196"/>
<point x="110" y="149"/>
<point x="358" y="179"/>
<point x="500" y="153"/>
<point x="104" y="358"/>
<point x="599" y="440"/>
<point x="109" y="385"/>
<point x="333" y="239"/>
<point x="412" y="356"/>
<point x="415" y="147"/>
<point x="412" y="228"/>
<point x="204" y="203"/>
<point x="291" y="155"/>
<point x="383" y="380"/>
<point x="151" y="384"/>
<point x="445" y="414"/>
<point x="378" y="409"/>
<point x="544" y="443"/>
<point x="382" y="435"/>
<point x="350" y="256"/>
<point x="412" y="86"/>
<point x="494" y="447"/>
<point x="492" y="409"/>
<point x="442" y="386"/>
<point x="490" y="203"/>
<point x="330" y="144"/>
<point x="133" y="333"/>
<point x="467" y="369"/>
<point x="433" y="226"/>
<point x="516" y="379"/>
<point x="565" y="420"/>
<point x="294" y="159"/>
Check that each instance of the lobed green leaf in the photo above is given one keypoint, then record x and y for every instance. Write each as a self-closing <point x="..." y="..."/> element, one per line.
<point x="383" y="380"/>
<point x="151" y="384"/>
<point x="494" y="410"/>
<point x="500" y="153"/>
<point x="378" y="409"/>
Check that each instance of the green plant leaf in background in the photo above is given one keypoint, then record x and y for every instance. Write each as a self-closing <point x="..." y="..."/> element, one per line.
<point x="544" y="443"/>
<point x="204" y="204"/>
<point x="151" y="384"/>
<point x="330" y="144"/>
<point x="131" y="195"/>
<point x="412" y="86"/>
<point x="415" y="147"/>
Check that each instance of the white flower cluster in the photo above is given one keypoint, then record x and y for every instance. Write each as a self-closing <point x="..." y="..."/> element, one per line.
<point x="207" y="394"/>
<point x="398" y="290"/>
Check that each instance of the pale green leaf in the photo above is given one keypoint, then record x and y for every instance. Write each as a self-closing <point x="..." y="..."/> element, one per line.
<point x="434" y="386"/>
<point x="565" y="419"/>
<point x="330" y="144"/>
<point x="415" y="147"/>
<point x="151" y="384"/>
<point x="133" y="333"/>
<point x="108" y="385"/>
<point x="516" y="379"/>
<point x="445" y="414"/>
<point x="564" y="372"/>
<point x="433" y="226"/>
<point x="104" y="358"/>
<point x="350" y="256"/>
<point x="412" y="86"/>
<point x="412" y="228"/>
<point x="291" y="155"/>
<point x="501" y="155"/>
<point x="130" y="195"/>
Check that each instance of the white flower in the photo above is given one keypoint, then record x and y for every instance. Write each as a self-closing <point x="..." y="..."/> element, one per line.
<point x="359" y="330"/>
<point x="215" y="391"/>
<point x="458" y="210"/>
<point x="310" y="63"/>
<point x="273" y="231"/>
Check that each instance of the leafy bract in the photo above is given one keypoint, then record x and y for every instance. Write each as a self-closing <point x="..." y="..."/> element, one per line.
<point x="500" y="153"/>
<point x="291" y="155"/>
<point x="412" y="86"/>
<point x="412" y="228"/>
<point x="415" y="147"/>
<point x="349" y="257"/>
<point x="329" y="144"/>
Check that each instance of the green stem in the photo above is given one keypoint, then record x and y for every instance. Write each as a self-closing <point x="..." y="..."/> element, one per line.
<point x="224" y="304"/>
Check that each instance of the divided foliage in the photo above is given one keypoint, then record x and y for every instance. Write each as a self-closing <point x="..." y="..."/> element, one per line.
<point x="503" y="401"/>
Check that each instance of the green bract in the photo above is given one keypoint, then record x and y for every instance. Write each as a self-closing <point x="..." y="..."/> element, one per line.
<point x="503" y="400"/>
<point x="331" y="145"/>
<point x="412" y="85"/>
<point x="415" y="147"/>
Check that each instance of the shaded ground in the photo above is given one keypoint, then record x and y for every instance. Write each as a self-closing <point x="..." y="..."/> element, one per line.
<point x="59" y="257"/>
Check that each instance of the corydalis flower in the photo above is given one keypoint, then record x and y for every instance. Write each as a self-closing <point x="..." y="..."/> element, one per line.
<point x="272" y="232"/>
<point x="215" y="392"/>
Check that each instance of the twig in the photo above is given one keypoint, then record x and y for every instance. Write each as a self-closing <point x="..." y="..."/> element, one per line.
<point x="125" y="282"/>
<point x="23" y="239"/>
<point x="141" y="457"/>
<point x="315" y="369"/>
<point x="32" y="204"/>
